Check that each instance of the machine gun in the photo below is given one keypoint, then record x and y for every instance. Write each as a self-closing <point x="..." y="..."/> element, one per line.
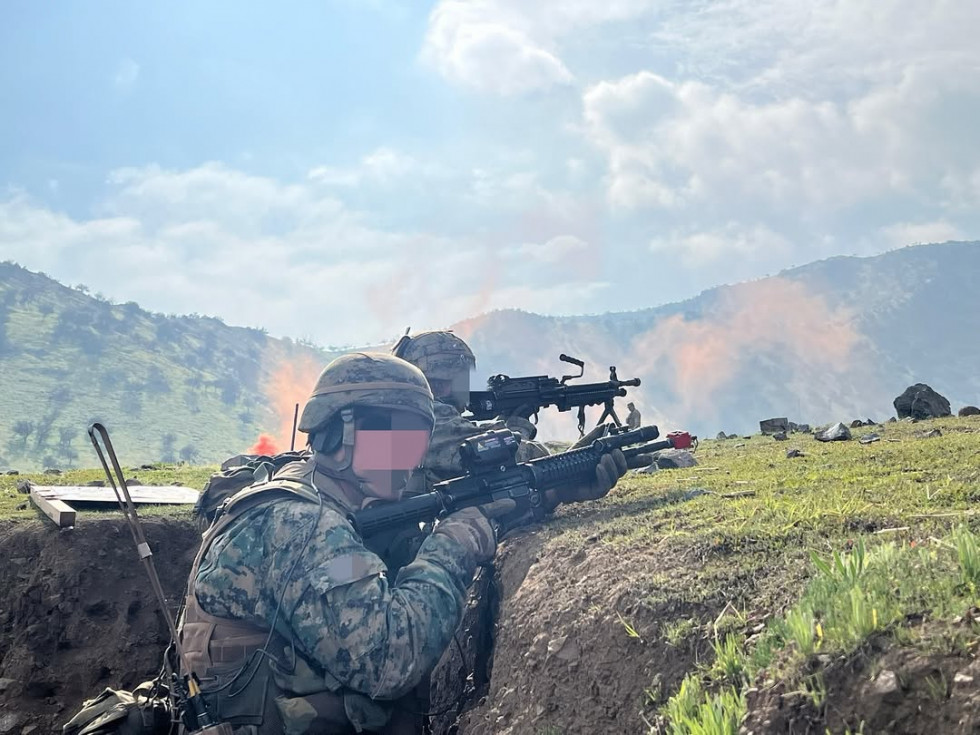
<point x="493" y="473"/>
<point x="525" y="396"/>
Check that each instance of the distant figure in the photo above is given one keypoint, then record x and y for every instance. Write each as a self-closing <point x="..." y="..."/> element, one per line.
<point x="633" y="419"/>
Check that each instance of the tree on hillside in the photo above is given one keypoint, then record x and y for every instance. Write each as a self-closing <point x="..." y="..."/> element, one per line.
<point x="65" y="436"/>
<point x="23" y="429"/>
<point x="189" y="453"/>
<point x="168" y="443"/>
<point x="156" y="381"/>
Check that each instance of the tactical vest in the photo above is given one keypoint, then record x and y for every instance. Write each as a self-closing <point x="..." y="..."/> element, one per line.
<point x="272" y="689"/>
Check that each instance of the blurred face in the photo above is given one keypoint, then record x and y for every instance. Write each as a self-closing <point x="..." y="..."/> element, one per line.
<point x="388" y="445"/>
<point x="454" y="391"/>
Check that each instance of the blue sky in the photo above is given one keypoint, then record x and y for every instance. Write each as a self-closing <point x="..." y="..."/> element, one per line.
<point x="380" y="163"/>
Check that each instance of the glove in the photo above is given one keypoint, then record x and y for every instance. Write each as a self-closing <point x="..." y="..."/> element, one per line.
<point x="471" y="528"/>
<point x="597" y="433"/>
<point x="611" y="467"/>
<point x="522" y="426"/>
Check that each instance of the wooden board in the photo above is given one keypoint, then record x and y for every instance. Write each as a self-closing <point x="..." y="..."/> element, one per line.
<point x="61" y="513"/>
<point x="143" y="494"/>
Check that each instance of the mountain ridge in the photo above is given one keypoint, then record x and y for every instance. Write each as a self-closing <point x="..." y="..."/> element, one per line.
<point x="829" y="340"/>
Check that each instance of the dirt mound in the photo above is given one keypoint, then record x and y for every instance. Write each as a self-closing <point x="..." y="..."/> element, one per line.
<point x="576" y="646"/>
<point x="883" y="688"/>
<point x="77" y="612"/>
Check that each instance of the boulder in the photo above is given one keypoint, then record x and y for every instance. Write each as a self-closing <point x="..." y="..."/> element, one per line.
<point x="968" y="411"/>
<point x="774" y="426"/>
<point x="857" y="423"/>
<point x="790" y="453"/>
<point x="869" y="439"/>
<point x="780" y="436"/>
<point x="836" y="433"/>
<point x="672" y="459"/>
<point x="919" y="401"/>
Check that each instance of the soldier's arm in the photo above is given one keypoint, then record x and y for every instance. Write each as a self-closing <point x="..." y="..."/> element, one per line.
<point x="374" y="636"/>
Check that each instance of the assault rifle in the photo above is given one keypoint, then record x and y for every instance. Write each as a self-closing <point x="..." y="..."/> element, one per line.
<point x="525" y="396"/>
<point x="493" y="473"/>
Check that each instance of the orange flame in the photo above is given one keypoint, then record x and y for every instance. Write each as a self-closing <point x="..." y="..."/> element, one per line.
<point x="265" y="444"/>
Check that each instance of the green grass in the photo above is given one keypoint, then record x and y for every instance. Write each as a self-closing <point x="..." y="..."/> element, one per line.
<point x="17" y="506"/>
<point x="828" y="549"/>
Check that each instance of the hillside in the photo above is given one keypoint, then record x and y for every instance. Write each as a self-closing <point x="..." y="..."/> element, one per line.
<point x="832" y="340"/>
<point x="167" y="387"/>
<point x="828" y="341"/>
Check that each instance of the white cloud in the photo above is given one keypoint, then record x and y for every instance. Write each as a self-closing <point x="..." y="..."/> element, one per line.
<point x="729" y="242"/>
<point x="672" y="144"/>
<point x="475" y="44"/>
<point x="914" y="233"/>
<point x="126" y="75"/>
<point x="382" y="166"/>
<point x="288" y="257"/>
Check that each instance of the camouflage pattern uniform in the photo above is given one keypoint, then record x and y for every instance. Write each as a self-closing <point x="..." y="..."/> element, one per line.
<point x="442" y="356"/>
<point x="283" y="569"/>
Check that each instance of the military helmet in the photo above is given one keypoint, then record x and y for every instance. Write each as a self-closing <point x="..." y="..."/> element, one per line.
<point x="440" y="355"/>
<point x="374" y="380"/>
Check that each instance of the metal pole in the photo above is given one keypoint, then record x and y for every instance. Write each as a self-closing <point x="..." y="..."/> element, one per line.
<point x="292" y="440"/>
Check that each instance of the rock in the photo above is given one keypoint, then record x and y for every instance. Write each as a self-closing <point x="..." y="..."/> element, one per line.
<point x="856" y="423"/>
<point x="721" y="436"/>
<point x="799" y="428"/>
<point x="773" y="426"/>
<point x="52" y="471"/>
<point x="150" y="467"/>
<point x="870" y="422"/>
<point x="133" y="482"/>
<point x="95" y="483"/>
<point x="22" y="506"/>
<point x="961" y="679"/>
<point x="887" y="686"/>
<point x="24" y="486"/>
<point x="9" y="722"/>
<point x="919" y="401"/>
<point x="836" y="433"/>
<point x="790" y="453"/>
<point x="780" y="436"/>
<point x="556" y="644"/>
<point x="869" y="439"/>
<point x="648" y="470"/>
<point x="6" y="684"/>
<point x="931" y="434"/>
<point x="13" y="472"/>
<point x="28" y="729"/>
<point x="965" y="411"/>
<point x="892" y="420"/>
<point x="669" y="459"/>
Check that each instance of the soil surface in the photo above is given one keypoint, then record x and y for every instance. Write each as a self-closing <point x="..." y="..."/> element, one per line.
<point x="579" y="642"/>
<point x="77" y="613"/>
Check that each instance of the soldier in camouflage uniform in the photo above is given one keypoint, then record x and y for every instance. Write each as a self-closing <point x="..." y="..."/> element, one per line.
<point x="446" y="361"/>
<point x="291" y="623"/>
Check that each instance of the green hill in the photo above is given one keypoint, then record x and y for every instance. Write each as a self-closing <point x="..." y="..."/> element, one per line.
<point x="167" y="387"/>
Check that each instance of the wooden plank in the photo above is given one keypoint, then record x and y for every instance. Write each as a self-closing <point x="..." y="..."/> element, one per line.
<point x="58" y="511"/>
<point x="144" y="494"/>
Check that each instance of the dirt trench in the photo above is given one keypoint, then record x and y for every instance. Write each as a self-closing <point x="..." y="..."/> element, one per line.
<point x="554" y="642"/>
<point x="77" y="613"/>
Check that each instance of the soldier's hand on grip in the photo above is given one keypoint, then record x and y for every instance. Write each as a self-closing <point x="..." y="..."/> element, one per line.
<point x="471" y="528"/>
